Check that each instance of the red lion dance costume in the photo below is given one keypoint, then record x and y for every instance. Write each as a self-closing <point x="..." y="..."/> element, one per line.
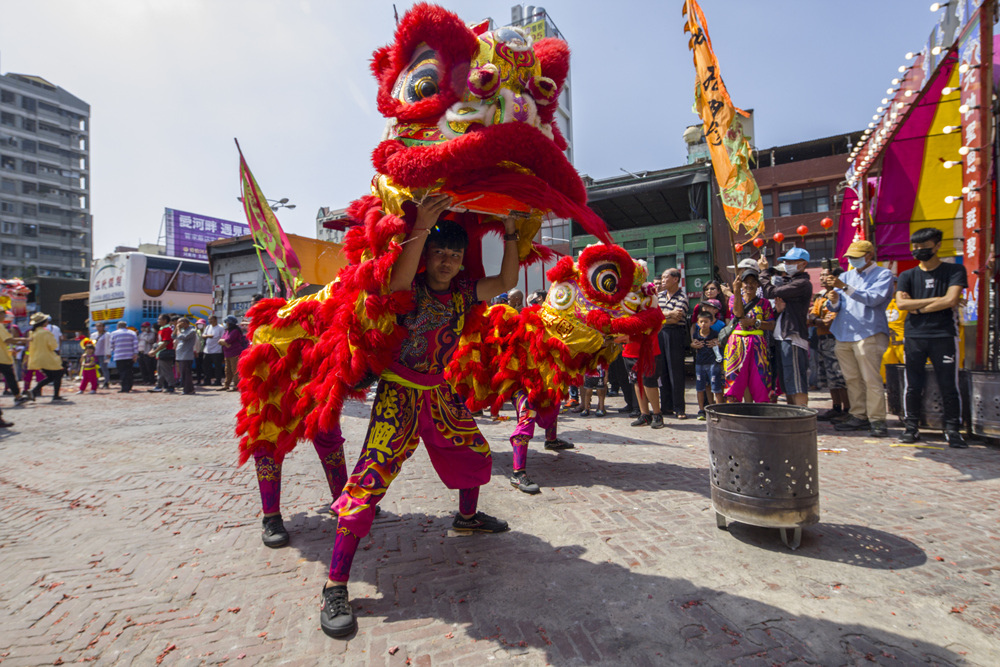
<point x="471" y="115"/>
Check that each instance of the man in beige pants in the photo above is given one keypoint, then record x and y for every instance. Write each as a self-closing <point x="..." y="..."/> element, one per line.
<point x="859" y="298"/>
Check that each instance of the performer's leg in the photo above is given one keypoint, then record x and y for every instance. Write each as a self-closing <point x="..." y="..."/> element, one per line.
<point x="459" y="453"/>
<point x="519" y="441"/>
<point x="468" y="501"/>
<point x="330" y="449"/>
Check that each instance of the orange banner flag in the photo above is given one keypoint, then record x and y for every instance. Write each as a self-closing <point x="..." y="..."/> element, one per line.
<point x="729" y="149"/>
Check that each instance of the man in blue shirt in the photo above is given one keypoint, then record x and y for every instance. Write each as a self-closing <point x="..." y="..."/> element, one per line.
<point x="860" y="298"/>
<point x="123" y="348"/>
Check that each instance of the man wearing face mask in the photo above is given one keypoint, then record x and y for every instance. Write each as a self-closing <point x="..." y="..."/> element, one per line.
<point x="859" y="298"/>
<point x="930" y="292"/>
<point x="791" y="332"/>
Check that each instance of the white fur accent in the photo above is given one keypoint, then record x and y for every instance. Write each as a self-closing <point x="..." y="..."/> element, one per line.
<point x="484" y="115"/>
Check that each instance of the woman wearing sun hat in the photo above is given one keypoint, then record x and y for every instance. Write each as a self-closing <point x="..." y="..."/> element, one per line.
<point x="43" y="355"/>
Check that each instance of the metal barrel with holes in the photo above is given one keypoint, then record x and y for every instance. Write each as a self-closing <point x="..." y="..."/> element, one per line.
<point x="764" y="466"/>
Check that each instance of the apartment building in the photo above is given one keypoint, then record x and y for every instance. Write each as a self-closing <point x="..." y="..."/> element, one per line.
<point x="45" y="221"/>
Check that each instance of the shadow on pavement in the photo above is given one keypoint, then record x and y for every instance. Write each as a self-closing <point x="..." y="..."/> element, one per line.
<point x="860" y="546"/>
<point x="521" y="592"/>
<point x="575" y="468"/>
<point x="977" y="463"/>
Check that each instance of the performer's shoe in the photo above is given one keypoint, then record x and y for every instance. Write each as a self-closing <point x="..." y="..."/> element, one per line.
<point x="955" y="439"/>
<point x="274" y="534"/>
<point x="657" y="421"/>
<point x="336" y="617"/>
<point x="5" y="424"/>
<point x="558" y="443"/>
<point x="480" y="523"/>
<point x="520" y="481"/>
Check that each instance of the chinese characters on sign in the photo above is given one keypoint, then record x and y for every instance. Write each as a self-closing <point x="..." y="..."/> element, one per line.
<point x="970" y="86"/>
<point x="189" y="233"/>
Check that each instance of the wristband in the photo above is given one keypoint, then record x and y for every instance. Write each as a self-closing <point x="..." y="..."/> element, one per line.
<point x="513" y="236"/>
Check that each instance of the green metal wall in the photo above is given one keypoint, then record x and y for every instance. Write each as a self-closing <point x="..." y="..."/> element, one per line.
<point x="687" y="244"/>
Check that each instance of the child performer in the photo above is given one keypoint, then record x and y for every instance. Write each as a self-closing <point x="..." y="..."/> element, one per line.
<point x="88" y="367"/>
<point x="707" y="360"/>
<point x="414" y="402"/>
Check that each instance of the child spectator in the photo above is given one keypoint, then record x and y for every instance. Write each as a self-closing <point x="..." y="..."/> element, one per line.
<point x="594" y="381"/>
<point x="88" y="367"/>
<point x="707" y="361"/>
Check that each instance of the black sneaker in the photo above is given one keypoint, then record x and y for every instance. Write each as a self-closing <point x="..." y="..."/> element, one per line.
<point x="644" y="420"/>
<point x="558" y="443"/>
<point x="830" y="415"/>
<point x="635" y="413"/>
<point x="585" y="412"/>
<point x="853" y="424"/>
<point x="5" y="424"/>
<point x="657" y="422"/>
<point x="520" y="481"/>
<point x="274" y="534"/>
<point x="878" y="429"/>
<point x="480" y="523"/>
<point x="336" y="617"/>
<point x="955" y="440"/>
<point x="600" y="413"/>
<point x="910" y="436"/>
<point x="625" y="410"/>
<point x="57" y="399"/>
<point x="577" y="408"/>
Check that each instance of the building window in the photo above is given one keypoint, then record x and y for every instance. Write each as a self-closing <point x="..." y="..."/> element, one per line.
<point x="28" y="229"/>
<point x="7" y="185"/>
<point x="30" y="210"/>
<point x="8" y="163"/>
<point x="28" y="103"/>
<point x="766" y="201"/>
<point x="28" y="188"/>
<point x="6" y="96"/>
<point x="29" y="252"/>
<point x="6" y="207"/>
<point x="9" y="250"/>
<point x="8" y="119"/>
<point x="29" y="146"/>
<point x="151" y="309"/>
<point x="9" y="227"/>
<point x="794" y="202"/>
<point x="29" y="167"/>
<point x="28" y="124"/>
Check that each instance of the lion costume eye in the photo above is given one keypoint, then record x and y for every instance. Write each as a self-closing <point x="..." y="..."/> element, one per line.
<point x="420" y="80"/>
<point x="561" y="296"/>
<point x="604" y="278"/>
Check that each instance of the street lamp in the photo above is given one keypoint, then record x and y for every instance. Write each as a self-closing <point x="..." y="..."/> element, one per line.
<point x="275" y="204"/>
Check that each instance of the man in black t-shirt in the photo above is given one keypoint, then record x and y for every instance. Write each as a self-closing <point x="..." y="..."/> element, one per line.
<point x="931" y="292"/>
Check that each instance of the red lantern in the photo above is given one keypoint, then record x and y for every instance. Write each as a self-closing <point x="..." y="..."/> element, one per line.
<point x="758" y="242"/>
<point x="738" y="247"/>
<point x="826" y="223"/>
<point x="802" y="230"/>
<point x="778" y="237"/>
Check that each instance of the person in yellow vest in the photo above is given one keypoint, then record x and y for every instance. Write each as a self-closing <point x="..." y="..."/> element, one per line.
<point x="894" y="353"/>
<point x="43" y="355"/>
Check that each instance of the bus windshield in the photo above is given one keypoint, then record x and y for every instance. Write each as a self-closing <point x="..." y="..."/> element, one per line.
<point x="172" y="275"/>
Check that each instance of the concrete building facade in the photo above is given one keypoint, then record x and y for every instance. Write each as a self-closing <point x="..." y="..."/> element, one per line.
<point x="45" y="221"/>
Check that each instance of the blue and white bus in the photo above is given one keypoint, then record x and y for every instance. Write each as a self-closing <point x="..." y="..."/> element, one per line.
<point x="137" y="287"/>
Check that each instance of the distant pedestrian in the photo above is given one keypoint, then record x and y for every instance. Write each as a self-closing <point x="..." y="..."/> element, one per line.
<point x="199" y="352"/>
<point x="859" y="298"/>
<point x="930" y="293"/>
<point x="43" y="355"/>
<point x="123" y="348"/>
<point x="184" y="341"/>
<point x="215" y="365"/>
<point x="233" y="344"/>
<point x="100" y="338"/>
<point x="164" y="354"/>
<point x="791" y="333"/>
<point x="515" y="299"/>
<point x="147" y="364"/>
<point x="673" y="302"/>
<point x="7" y="362"/>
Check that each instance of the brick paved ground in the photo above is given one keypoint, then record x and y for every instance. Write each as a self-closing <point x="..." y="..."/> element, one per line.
<point x="129" y="537"/>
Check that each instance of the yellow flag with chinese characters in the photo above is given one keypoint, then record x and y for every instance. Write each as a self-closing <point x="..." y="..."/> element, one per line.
<point x="729" y="149"/>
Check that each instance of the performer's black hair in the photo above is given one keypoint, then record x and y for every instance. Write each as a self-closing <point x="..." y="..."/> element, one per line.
<point x="448" y="234"/>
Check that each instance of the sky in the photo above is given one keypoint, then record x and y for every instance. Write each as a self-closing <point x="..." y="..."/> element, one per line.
<point x="171" y="83"/>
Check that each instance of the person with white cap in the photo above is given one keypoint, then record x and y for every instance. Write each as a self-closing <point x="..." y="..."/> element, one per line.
<point x="859" y="298"/>
<point x="791" y="332"/>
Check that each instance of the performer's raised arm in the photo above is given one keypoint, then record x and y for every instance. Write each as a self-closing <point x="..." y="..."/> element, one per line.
<point x="405" y="268"/>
